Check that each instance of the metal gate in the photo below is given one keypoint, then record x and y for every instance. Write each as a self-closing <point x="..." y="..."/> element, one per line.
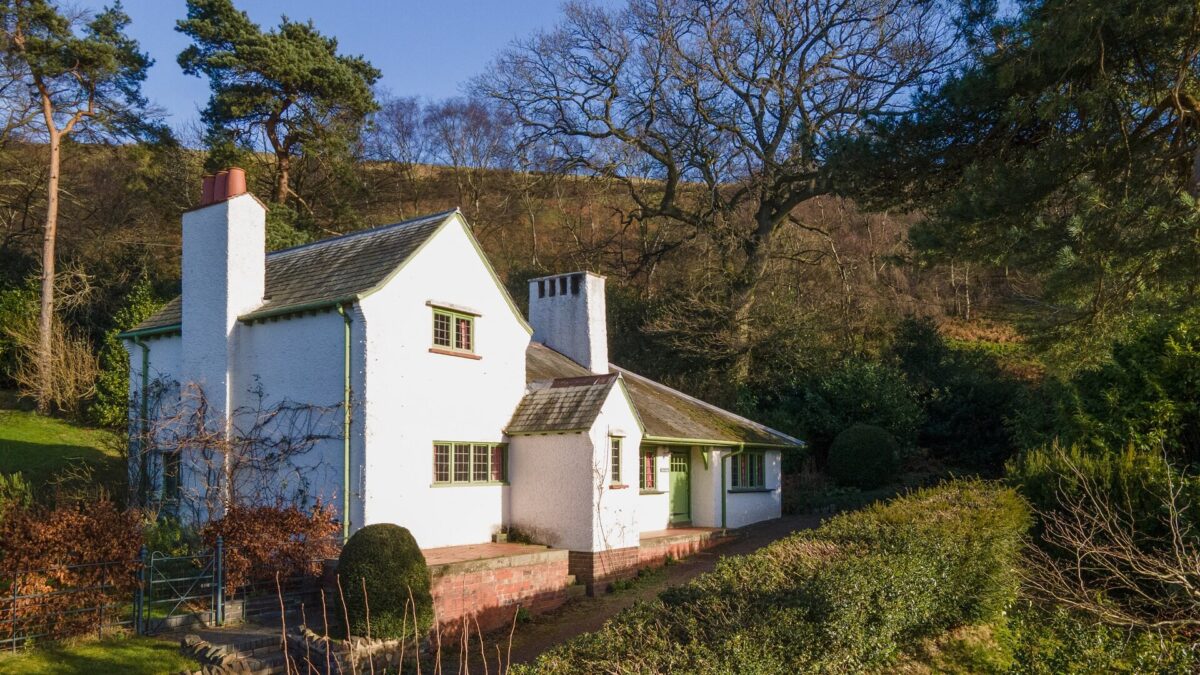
<point x="178" y="591"/>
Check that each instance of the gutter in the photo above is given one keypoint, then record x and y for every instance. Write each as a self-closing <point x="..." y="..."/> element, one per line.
<point x="137" y="335"/>
<point x="724" y="489"/>
<point x="669" y="440"/>
<point x="346" y="320"/>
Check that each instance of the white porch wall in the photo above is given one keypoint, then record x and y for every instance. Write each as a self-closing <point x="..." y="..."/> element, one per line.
<point x="745" y="508"/>
<point x="706" y="486"/>
<point x="412" y="397"/>
<point x="654" y="510"/>
<point x="615" y="511"/>
<point x="550" y="477"/>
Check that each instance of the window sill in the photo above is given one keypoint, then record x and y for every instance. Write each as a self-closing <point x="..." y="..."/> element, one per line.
<point x="762" y="489"/>
<point x="452" y="352"/>
<point x="652" y="492"/>
<point x="482" y="483"/>
<point x="617" y="486"/>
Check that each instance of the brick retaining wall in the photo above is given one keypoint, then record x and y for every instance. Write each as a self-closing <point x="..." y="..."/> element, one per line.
<point x="597" y="569"/>
<point x="489" y="591"/>
<point x="654" y="552"/>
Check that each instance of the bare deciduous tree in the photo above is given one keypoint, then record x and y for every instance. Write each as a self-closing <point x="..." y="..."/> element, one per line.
<point x="719" y="113"/>
<point x="1095" y="558"/>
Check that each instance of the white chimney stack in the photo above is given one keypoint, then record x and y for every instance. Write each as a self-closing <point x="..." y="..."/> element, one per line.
<point x="568" y="315"/>
<point x="224" y="274"/>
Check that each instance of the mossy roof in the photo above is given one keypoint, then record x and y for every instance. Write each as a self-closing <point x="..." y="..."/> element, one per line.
<point x="561" y="405"/>
<point x="665" y="413"/>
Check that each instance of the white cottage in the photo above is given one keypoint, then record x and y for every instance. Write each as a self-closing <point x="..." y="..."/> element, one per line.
<point x="447" y="411"/>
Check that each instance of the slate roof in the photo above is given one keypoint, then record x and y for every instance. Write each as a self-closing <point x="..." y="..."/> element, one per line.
<point x="327" y="271"/>
<point x="564" y="404"/>
<point x="665" y="412"/>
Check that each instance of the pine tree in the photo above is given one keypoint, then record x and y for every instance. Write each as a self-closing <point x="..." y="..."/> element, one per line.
<point x="287" y="86"/>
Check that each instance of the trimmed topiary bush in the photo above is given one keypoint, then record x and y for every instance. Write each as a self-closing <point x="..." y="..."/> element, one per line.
<point x="864" y="456"/>
<point x="387" y="557"/>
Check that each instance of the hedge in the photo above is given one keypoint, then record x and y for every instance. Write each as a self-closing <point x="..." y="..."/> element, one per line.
<point x="845" y="597"/>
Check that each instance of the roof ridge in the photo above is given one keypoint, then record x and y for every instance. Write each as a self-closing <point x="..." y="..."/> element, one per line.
<point x="441" y="215"/>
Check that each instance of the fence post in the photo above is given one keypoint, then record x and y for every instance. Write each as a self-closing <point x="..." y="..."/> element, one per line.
<point x="139" y="595"/>
<point x="219" y="582"/>
<point x="13" y="615"/>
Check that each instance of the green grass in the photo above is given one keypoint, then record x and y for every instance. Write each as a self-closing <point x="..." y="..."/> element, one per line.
<point x="41" y="447"/>
<point x="126" y="656"/>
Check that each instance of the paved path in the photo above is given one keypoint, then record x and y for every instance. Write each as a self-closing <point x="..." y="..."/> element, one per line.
<point x="588" y="614"/>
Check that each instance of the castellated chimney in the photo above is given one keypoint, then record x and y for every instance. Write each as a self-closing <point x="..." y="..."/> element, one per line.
<point x="568" y="315"/>
<point x="224" y="273"/>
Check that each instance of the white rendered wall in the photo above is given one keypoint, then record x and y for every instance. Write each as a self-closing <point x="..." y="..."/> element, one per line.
<point x="224" y="271"/>
<point x="615" y="509"/>
<point x="552" y="481"/>
<point x="574" y="325"/>
<point x="654" y="507"/>
<point x="706" y="486"/>
<point x="744" y="508"/>
<point x="413" y="397"/>
<point x="299" y="360"/>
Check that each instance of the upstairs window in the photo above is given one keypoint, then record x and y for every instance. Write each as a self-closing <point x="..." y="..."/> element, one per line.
<point x="748" y="471"/>
<point x="453" y="331"/>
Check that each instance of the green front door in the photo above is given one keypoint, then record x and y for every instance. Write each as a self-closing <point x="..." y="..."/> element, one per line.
<point x="681" y="492"/>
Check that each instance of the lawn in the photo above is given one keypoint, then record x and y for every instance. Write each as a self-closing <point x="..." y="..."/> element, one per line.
<point x="125" y="656"/>
<point x="41" y="447"/>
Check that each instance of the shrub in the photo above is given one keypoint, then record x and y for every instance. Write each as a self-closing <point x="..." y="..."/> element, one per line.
<point x="1147" y="395"/>
<point x="843" y="598"/>
<point x="58" y="554"/>
<point x="15" y="493"/>
<point x="386" y="560"/>
<point x="857" y="392"/>
<point x="262" y="540"/>
<point x="110" y="405"/>
<point x="1137" y="479"/>
<point x="1049" y="641"/>
<point x="967" y="397"/>
<point x="864" y="456"/>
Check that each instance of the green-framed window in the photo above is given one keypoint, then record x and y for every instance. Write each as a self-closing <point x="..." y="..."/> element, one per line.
<point x="453" y="330"/>
<point x="615" y="454"/>
<point x="646" y="470"/>
<point x="459" y="463"/>
<point x="748" y="471"/>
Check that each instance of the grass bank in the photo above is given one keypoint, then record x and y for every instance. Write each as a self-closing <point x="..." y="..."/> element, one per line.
<point x="112" y="656"/>
<point x="41" y="448"/>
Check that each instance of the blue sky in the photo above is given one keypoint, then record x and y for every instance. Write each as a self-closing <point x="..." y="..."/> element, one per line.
<point x="426" y="48"/>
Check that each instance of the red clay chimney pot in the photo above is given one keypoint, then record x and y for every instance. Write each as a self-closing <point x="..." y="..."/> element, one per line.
<point x="220" y="189"/>
<point x="206" y="190"/>
<point x="236" y="182"/>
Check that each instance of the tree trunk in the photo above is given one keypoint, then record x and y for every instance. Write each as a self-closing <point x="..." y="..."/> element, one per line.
<point x="45" y="355"/>
<point x="745" y="293"/>
<point x="283" y="166"/>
